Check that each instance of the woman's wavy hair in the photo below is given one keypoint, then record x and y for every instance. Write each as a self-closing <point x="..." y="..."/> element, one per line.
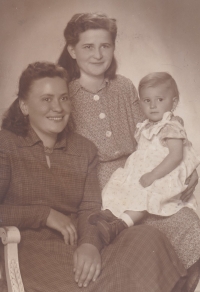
<point x="14" y="120"/>
<point x="79" y="23"/>
<point x="157" y="78"/>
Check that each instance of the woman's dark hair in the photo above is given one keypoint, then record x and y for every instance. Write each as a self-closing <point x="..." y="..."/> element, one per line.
<point x="79" y="23"/>
<point x="13" y="119"/>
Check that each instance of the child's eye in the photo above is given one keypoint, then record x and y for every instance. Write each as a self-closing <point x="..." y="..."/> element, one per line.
<point x="160" y="99"/>
<point x="105" y="46"/>
<point x="146" y="100"/>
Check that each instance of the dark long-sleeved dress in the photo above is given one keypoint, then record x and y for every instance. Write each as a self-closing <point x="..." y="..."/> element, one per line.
<point x="140" y="259"/>
<point x="108" y="118"/>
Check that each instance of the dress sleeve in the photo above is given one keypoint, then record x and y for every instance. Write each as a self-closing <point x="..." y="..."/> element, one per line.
<point x="90" y="203"/>
<point x="19" y="216"/>
<point x="172" y="131"/>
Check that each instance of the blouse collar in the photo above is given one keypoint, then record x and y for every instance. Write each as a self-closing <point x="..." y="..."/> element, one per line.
<point x="75" y="86"/>
<point x="32" y="138"/>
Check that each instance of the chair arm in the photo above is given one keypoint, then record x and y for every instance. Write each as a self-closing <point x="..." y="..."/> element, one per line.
<point x="10" y="237"/>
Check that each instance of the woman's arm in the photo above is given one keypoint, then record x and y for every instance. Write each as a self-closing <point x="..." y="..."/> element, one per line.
<point x="87" y="259"/>
<point x="171" y="161"/>
<point x="192" y="182"/>
<point x="19" y="216"/>
<point x="91" y="201"/>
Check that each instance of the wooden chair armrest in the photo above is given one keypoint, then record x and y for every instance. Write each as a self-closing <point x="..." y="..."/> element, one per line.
<point x="10" y="237"/>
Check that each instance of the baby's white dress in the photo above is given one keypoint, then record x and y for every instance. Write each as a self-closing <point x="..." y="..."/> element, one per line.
<point x="124" y="192"/>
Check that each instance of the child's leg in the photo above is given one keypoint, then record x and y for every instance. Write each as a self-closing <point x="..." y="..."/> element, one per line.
<point x="108" y="230"/>
<point x="133" y="217"/>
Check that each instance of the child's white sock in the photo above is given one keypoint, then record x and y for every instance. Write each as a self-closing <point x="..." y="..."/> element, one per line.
<point x="127" y="219"/>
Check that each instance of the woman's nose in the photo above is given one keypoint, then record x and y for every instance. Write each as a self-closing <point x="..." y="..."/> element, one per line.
<point x="97" y="53"/>
<point x="56" y="106"/>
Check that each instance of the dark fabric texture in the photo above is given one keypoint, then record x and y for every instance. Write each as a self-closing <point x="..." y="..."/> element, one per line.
<point x="140" y="259"/>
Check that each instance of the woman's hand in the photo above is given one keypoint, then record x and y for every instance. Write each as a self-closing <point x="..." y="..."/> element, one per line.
<point x="63" y="224"/>
<point x="191" y="181"/>
<point x="87" y="264"/>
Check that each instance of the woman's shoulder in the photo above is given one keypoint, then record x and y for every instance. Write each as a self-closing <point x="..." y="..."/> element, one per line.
<point x="123" y="87"/>
<point x="120" y="79"/>
<point x="6" y="135"/>
<point x="80" y="143"/>
<point x="8" y="140"/>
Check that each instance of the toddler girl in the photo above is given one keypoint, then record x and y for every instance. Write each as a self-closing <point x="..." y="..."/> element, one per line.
<point x="154" y="176"/>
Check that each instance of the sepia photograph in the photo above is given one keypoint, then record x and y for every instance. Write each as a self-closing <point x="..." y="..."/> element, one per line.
<point x="99" y="145"/>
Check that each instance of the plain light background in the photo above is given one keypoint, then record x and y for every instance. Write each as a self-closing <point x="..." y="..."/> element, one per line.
<point x="153" y="35"/>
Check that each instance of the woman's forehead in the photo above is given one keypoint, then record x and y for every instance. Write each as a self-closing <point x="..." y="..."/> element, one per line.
<point x="48" y="85"/>
<point x="94" y="35"/>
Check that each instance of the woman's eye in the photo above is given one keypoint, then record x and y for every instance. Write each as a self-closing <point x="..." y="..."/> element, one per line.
<point x="65" y="97"/>
<point x="87" y="47"/>
<point x="46" y="99"/>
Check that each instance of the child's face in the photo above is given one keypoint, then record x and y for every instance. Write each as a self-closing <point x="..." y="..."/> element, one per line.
<point x="155" y="101"/>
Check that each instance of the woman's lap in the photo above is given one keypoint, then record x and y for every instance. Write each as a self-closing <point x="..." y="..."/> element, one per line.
<point x="183" y="231"/>
<point x="140" y="259"/>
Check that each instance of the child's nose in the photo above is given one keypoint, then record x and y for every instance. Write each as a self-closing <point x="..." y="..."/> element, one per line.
<point x="152" y="104"/>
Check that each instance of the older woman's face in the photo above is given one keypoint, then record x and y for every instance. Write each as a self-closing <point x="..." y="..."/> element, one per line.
<point x="94" y="52"/>
<point x="48" y="106"/>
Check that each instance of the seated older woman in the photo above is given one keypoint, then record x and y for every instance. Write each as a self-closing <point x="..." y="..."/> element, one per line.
<point x="49" y="187"/>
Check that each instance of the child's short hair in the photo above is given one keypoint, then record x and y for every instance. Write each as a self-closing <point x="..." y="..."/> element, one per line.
<point x="156" y="78"/>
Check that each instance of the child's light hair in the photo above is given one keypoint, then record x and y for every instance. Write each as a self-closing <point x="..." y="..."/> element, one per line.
<point x="157" y="78"/>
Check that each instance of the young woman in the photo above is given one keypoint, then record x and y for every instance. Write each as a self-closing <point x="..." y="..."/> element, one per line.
<point x="105" y="109"/>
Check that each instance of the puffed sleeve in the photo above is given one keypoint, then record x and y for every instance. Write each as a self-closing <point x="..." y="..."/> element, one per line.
<point x="19" y="216"/>
<point x="172" y="131"/>
<point x="90" y="203"/>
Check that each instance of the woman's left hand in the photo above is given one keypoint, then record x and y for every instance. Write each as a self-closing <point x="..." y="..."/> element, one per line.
<point x="87" y="264"/>
<point x="191" y="181"/>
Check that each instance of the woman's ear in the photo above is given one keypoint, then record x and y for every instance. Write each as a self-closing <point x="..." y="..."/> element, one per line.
<point x="23" y="107"/>
<point x="175" y="102"/>
<point x="71" y="51"/>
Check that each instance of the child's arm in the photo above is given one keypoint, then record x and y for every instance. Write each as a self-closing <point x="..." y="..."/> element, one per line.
<point x="171" y="161"/>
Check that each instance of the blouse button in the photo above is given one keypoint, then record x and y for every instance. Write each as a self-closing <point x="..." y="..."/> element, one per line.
<point x="102" y="116"/>
<point x="108" y="134"/>
<point x="96" y="97"/>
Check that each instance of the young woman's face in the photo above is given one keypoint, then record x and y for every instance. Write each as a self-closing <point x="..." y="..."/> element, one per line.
<point x="94" y="52"/>
<point x="47" y="106"/>
<point x="155" y="101"/>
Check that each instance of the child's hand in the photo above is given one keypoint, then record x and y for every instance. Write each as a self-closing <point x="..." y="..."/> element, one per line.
<point x="146" y="179"/>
